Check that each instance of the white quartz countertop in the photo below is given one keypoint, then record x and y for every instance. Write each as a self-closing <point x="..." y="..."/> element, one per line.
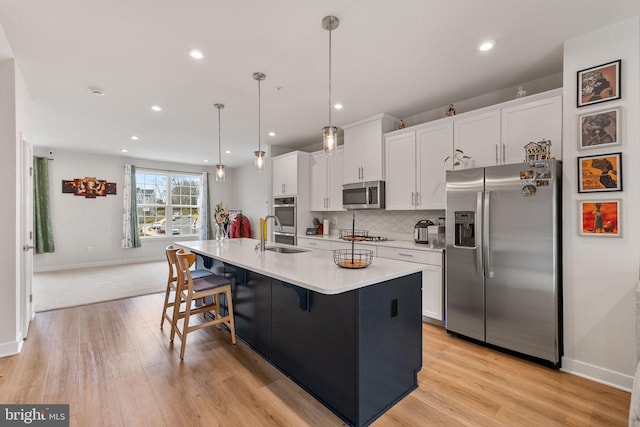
<point x="312" y="269"/>
<point x="402" y="244"/>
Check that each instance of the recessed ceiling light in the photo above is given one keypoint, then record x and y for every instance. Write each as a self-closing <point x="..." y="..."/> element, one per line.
<point x="228" y="152"/>
<point x="124" y="150"/>
<point x="272" y="134"/>
<point x="206" y="161"/>
<point x="135" y="137"/>
<point x="156" y="108"/>
<point x="486" y="45"/>
<point x="96" y="92"/>
<point x="338" y="106"/>
<point x="196" y="54"/>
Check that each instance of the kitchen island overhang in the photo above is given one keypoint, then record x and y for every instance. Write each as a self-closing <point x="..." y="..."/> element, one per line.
<point x="351" y="338"/>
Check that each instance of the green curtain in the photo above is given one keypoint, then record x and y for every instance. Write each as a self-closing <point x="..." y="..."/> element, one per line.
<point x="41" y="207"/>
<point x="130" y="231"/>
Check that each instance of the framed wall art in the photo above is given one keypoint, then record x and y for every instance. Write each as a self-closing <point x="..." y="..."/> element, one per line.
<point x="88" y="187"/>
<point x="599" y="84"/>
<point x="599" y="129"/>
<point x="602" y="172"/>
<point x="600" y="218"/>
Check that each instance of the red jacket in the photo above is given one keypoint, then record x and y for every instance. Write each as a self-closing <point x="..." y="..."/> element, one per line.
<point x="240" y="227"/>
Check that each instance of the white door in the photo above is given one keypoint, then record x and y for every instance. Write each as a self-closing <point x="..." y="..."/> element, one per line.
<point x="531" y="122"/>
<point x="433" y="144"/>
<point x="318" y="182"/>
<point x="27" y="236"/>
<point x="478" y="136"/>
<point x="400" y="158"/>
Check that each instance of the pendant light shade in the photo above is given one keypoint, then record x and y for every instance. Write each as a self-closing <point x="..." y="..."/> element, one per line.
<point x="259" y="155"/>
<point x="219" y="167"/>
<point x="330" y="133"/>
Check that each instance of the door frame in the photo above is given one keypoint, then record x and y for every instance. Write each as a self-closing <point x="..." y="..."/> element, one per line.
<point x="26" y="241"/>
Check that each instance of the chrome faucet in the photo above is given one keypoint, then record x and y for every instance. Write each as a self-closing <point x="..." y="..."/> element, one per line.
<point x="263" y="227"/>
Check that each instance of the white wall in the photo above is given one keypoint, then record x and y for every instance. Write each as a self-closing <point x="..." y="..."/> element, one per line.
<point x="79" y="223"/>
<point x="600" y="274"/>
<point x="251" y="189"/>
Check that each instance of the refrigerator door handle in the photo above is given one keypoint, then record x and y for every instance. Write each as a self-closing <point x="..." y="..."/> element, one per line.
<point x="478" y="232"/>
<point x="486" y="242"/>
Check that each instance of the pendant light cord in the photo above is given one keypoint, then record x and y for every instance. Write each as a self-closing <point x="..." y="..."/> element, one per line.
<point x="259" y="116"/>
<point x="219" y="139"/>
<point x="331" y="25"/>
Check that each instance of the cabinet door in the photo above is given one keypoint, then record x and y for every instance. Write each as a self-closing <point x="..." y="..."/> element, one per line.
<point x="372" y="151"/>
<point x="318" y="182"/>
<point x="251" y="295"/>
<point x="400" y="158"/>
<point x="432" y="301"/>
<point x="335" y="179"/>
<point x="433" y="144"/>
<point x="531" y="122"/>
<point x="478" y="135"/>
<point x="353" y="138"/>
<point x="285" y="175"/>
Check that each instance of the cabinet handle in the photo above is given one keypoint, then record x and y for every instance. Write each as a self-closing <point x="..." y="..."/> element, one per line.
<point x="504" y="153"/>
<point x="403" y="254"/>
<point x="497" y="161"/>
<point x="412" y="197"/>
<point x="417" y="199"/>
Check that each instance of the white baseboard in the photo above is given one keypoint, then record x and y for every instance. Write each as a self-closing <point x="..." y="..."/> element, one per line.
<point x="99" y="264"/>
<point x="597" y="374"/>
<point x="11" y="348"/>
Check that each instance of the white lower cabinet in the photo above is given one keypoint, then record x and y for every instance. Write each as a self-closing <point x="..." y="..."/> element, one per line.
<point x="432" y="289"/>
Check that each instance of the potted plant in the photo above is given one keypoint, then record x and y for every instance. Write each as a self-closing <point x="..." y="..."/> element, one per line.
<point x="459" y="158"/>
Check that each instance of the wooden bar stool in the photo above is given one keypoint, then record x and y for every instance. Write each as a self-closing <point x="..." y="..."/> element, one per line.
<point x="172" y="282"/>
<point x="190" y="289"/>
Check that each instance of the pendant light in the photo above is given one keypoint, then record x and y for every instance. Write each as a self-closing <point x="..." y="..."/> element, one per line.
<point x="330" y="133"/>
<point x="219" y="166"/>
<point x="259" y="155"/>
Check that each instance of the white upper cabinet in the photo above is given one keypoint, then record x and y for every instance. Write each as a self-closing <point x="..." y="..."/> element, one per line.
<point x="326" y="174"/>
<point x="286" y="173"/>
<point x="364" y="148"/>
<point x="415" y="167"/>
<point x="400" y="186"/>
<point x="531" y="122"/>
<point x="497" y="135"/>
<point x="477" y="134"/>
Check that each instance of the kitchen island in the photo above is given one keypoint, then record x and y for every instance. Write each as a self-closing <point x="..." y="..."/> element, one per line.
<point x="351" y="338"/>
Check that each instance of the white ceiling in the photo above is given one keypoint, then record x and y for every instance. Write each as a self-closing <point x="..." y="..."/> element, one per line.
<point x="403" y="58"/>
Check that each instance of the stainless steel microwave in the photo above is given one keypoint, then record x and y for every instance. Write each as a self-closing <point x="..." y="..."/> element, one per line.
<point x="363" y="195"/>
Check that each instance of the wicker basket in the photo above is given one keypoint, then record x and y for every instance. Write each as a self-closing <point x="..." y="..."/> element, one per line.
<point x="352" y="258"/>
<point x="356" y="235"/>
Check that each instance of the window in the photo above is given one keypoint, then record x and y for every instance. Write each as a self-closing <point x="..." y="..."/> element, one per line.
<point x="161" y="195"/>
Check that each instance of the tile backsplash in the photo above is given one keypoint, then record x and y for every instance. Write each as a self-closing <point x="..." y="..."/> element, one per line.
<point x="396" y="225"/>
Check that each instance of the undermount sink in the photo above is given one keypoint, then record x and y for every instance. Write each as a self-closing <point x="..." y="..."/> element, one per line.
<point x="283" y="250"/>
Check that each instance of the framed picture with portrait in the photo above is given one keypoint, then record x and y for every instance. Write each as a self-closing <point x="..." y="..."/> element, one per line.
<point x="602" y="172"/>
<point x="600" y="218"/>
<point x="599" y="129"/>
<point x="599" y="84"/>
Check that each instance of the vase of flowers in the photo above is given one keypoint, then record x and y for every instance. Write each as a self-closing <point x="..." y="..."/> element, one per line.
<point x="222" y="222"/>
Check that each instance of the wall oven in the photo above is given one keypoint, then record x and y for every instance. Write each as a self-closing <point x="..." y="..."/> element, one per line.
<point x="363" y="195"/>
<point x="285" y="209"/>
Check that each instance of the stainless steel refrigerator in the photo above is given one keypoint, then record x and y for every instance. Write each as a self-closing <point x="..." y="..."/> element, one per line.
<point x="503" y="257"/>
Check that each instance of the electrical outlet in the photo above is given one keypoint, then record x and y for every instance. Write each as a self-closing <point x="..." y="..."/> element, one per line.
<point x="90" y="249"/>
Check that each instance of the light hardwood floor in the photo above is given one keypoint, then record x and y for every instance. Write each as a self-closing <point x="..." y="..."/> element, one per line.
<point x="115" y="367"/>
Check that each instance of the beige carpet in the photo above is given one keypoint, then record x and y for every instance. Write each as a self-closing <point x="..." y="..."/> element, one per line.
<point x="69" y="288"/>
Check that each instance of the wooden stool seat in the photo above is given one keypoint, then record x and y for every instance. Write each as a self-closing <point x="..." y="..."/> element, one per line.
<point x="189" y="290"/>
<point x="172" y="283"/>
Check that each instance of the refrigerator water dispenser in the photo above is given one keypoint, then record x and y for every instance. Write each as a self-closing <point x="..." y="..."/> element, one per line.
<point x="465" y="229"/>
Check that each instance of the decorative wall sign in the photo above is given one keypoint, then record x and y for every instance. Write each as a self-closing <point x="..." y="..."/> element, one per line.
<point x="600" y="218"/>
<point x="599" y="129"/>
<point x="88" y="187"/>
<point x="599" y="84"/>
<point x="602" y="172"/>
